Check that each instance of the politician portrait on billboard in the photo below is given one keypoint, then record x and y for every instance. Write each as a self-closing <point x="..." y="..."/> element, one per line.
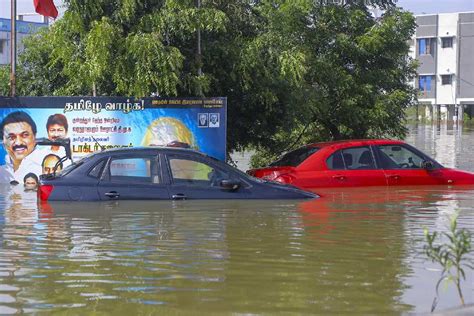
<point x="18" y="132"/>
<point x="92" y="124"/>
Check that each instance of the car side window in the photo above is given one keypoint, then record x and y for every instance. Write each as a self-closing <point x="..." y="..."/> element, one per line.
<point x="185" y="170"/>
<point x="399" y="157"/>
<point x="131" y="170"/>
<point x="354" y="158"/>
<point x="335" y="161"/>
<point x="358" y="158"/>
<point x="97" y="170"/>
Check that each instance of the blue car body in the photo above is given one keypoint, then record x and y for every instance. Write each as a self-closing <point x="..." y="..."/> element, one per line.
<point x="158" y="173"/>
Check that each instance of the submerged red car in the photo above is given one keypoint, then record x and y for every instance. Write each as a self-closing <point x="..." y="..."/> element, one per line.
<point x="360" y="163"/>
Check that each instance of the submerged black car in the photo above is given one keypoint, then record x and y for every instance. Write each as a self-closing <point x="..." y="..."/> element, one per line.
<point x="159" y="173"/>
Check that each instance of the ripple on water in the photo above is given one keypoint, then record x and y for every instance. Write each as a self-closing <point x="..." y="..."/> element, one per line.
<point x="6" y="310"/>
<point x="357" y="251"/>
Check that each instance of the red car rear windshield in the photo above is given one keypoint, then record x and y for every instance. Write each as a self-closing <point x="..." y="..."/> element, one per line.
<point x="295" y="157"/>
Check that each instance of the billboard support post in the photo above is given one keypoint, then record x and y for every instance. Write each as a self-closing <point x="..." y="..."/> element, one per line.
<point x="13" y="50"/>
<point x="199" y="58"/>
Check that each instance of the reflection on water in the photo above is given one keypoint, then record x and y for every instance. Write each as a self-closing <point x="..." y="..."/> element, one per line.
<point x="352" y="251"/>
<point x="451" y="145"/>
<point x="357" y="250"/>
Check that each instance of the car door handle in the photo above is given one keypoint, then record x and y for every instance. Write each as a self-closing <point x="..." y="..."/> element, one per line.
<point x="178" y="196"/>
<point x="339" y="177"/>
<point x="112" y="194"/>
<point x="394" y="176"/>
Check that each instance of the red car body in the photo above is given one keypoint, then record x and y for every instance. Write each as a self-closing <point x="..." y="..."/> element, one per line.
<point x="354" y="163"/>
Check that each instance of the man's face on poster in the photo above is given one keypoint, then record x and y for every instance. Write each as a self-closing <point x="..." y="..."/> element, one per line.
<point x="56" y="131"/>
<point x="213" y="119"/>
<point x="49" y="164"/>
<point x="18" y="140"/>
<point x="203" y="119"/>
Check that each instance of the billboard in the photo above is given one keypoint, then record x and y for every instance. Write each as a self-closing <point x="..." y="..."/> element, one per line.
<point x="111" y="122"/>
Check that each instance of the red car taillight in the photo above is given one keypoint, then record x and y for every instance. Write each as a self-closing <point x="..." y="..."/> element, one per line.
<point x="44" y="191"/>
<point x="272" y="176"/>
<point x="285" y="178"/>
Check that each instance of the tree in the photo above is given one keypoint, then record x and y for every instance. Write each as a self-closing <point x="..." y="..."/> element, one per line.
<point x="348" y="73"/>
<point x="4" y="79"/>
<point x="293" y="71"/>
<point x="108" y="47"/>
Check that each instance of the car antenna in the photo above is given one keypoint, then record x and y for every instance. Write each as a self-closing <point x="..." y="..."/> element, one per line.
<point x="102" y="148"/>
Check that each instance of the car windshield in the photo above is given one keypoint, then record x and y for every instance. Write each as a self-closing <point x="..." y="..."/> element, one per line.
<point x="238" y="172"/>
<point x="295" y="157"/>
<point x="73" y="166"/>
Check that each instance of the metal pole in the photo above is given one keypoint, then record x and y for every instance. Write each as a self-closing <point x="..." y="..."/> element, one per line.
<point x="198" y="5"/>
<point x="13" y="49"/>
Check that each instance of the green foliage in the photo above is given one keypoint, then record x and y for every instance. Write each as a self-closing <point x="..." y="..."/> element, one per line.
<point x="99" y="49"/>
<point x="293" y="71"/>
<point x="150" y="66"/>
<point x="451" y="256"/>
<point x="131" y="47"/>
<point x="333" y="69"/>
<point x="5" y="79"/>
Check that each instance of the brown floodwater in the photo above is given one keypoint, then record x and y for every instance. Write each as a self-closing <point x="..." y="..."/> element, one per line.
<point x="353" y="251"/>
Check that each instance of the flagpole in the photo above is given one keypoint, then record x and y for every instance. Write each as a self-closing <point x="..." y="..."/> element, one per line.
<point x="13" y="50"/>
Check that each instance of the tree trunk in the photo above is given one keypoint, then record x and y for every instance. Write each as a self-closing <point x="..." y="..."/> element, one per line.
<point x="334" y="130"/>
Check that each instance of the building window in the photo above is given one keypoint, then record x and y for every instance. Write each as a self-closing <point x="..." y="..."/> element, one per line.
<point x="446" y="79"/>
<point x="426" y="46"/>
<point x="2" y="43"/>
<point x="446" y="42"/>
<point x="424" y="83"/>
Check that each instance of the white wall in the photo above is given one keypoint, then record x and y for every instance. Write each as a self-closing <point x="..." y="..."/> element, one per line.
<point x="447" y="58"/>
<point x="4" y="52"/>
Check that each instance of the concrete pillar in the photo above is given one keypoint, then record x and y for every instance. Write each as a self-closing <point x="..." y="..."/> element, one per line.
<point x="429" y="113"/>
<point x="459" y="113"/>
<point x="450" y="112"/>
<point x="437" y="112"/>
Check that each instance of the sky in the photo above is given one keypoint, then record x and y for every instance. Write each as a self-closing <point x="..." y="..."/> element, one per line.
<point x="436" y="6"/>
<point x="25" y="7"/>
<point x="415" y="6"/>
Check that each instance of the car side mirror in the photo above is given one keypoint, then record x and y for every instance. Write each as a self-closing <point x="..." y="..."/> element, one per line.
<point x="231" y="185"/>
<point x="427" y="165"/>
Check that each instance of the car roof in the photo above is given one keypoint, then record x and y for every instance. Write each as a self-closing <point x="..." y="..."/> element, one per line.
<point x="128" y="150"/>
<point x="352" y="142"/>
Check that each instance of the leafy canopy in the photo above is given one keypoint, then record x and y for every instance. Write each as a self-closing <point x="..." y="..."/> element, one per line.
<point x="130" y="47"/>
<point x="293" y="71"/>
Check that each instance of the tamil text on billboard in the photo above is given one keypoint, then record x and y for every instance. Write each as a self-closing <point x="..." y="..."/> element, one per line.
<point x="94" y="123"/>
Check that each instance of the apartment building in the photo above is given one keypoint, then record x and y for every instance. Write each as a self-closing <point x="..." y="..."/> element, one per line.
<point x="444" y="48"/>
<point x="24" y="28"/>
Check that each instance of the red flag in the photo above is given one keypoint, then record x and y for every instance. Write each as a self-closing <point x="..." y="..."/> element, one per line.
<point x="46" y="8"/>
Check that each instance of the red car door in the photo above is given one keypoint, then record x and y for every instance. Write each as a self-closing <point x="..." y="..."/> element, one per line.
<point x="414" y="177"/>
<point x="403" y="165"/>
<point x="354" y="166"/>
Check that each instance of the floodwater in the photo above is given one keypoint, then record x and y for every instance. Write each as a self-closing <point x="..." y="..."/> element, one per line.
<point x="356" y="251"/>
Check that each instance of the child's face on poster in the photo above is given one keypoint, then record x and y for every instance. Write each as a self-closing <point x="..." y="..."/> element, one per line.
<point x="30" y="183"/>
